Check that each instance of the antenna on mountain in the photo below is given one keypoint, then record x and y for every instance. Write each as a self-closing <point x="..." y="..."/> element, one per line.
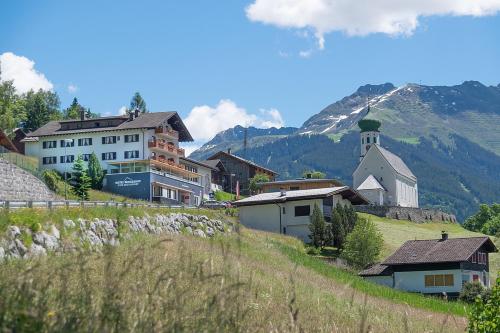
<point x="245" y="142"/>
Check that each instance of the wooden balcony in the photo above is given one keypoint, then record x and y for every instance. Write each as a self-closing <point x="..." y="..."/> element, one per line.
<point x="171" y="166"/>
<point x="161" y="131"/>
<point x="164" y="147"/>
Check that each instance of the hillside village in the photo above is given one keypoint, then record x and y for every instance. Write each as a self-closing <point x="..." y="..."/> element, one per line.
<point x="247" y="185"/>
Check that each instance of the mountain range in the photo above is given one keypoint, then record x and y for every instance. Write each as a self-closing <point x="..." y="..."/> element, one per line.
<point x="448" y="135"/>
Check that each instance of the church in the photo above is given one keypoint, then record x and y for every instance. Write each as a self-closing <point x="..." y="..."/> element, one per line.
<point x="381" y="176"/>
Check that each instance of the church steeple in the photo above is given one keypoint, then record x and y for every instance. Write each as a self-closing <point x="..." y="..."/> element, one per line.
<point x="369" y="133"/>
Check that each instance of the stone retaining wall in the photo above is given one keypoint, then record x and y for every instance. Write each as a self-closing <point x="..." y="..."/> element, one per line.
<point x="418" y="215"/>
<point x="21" y="242"/>
<point x="18" y="184"/>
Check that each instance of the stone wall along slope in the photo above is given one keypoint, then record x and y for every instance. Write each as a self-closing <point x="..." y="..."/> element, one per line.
<point x="18" y="184"/>
<point x="99" y="232"/>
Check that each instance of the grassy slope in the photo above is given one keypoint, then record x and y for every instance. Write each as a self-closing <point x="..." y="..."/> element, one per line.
<point x="396" y="232"/>
<point x="254" y="281"/>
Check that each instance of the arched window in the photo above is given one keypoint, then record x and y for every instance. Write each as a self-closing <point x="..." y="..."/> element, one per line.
<point x="374" y="139"/>
<point x="368" y="140"/>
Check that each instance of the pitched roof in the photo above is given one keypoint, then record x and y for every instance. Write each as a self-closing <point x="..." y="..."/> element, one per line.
<point x="396" y="162"/>
<point x="6" y="142"/>
<point x="241" y="159"/>
<point x="377" y="269"/>
<point x="438" y="251"/>
<point x="304" y="180"/>
<point x="203" y="164"/>
<point x="145" y="120"/>
<point x="370" y="183"/>
<point x="216" y="164"/>
<point x="275" y="197"/>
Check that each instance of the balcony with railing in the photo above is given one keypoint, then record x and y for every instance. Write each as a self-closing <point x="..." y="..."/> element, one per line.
<point x="170" y="165"/>
<point x="165" y="147"/>
<point x="166" y="132"/>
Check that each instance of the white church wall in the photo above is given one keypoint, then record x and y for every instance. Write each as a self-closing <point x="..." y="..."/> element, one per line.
<point x="375" y="164"/>
<point x="407" y="194"/>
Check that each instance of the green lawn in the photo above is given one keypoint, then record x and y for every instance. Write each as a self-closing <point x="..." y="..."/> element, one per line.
<point x="225" y="196"/>
<point x="396" y="232"/>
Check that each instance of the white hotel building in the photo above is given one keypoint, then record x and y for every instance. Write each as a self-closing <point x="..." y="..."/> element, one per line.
<point x="140" y="154"/>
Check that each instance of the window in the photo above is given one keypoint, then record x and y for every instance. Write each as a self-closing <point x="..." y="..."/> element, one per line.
<point x="374" y="139"/>
<point x="368" y="140"/>
<point x="67" y="159"/>
<point x="131" y="154"/>
<point x="474" y="257"/>
<point x="284" y="211"/>
<point x="439" y="280"/>
<point x="106" y="140"/>
<point x="362" y="141"/>
<point x="132" y="138"/>
<point x="85" y="142"/>
<point x="49" y="144"/>
<point x="86" y="157"/>
<point x="50" y="159"/>
<point x="108" y="156"/>
<point x="302" y="210"/>
<point x="294" y="188"/>
<point x="67" y="143"/>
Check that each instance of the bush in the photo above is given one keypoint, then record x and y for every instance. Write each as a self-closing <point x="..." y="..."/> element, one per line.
<point x="363" y="244"/>
<point x="470" y="291"/>
<point x="314" y="251"/>
<point x="51" y="178"/>
<point x="484" y="316"/>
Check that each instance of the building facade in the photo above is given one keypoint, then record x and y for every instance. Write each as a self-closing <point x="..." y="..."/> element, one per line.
<point x="382" y="176"/>
<point x="435" y="266"/>
<point x="237" y="170"/>
<point x="288" y="212"/>
<point x="298" y="184"/>
<point x="140" y="154"/>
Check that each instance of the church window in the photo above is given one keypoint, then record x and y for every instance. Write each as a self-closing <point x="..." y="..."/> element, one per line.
<point x="375" y="139"/>
<point x="362" y="141"/>
<point x="368" y="140"/>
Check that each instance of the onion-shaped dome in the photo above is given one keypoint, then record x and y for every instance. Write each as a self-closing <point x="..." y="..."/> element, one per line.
<point x="369" y="125"/>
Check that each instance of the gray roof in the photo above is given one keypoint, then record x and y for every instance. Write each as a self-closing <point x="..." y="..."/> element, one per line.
<point x="396" y="162"/>
<point x="438" y="250"/>
<point x="305" y="180"/>
<point x="377" y="270"/>
<point x="370" y="183"/>
<point x="241" y="159"/>
<point x="145" y="120"/>
<point x="203" y="164"/>
<point x="212" y="163"/>
<point x="275" y="197"/>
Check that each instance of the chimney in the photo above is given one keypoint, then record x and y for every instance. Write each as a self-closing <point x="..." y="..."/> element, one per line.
<point x="82" y="115"/>
<point x="131" y="116"/>
<point x="282" y="192"/>
<point x="136" y="112"/>
<point x="444" y="235"/>
<point x="229" y="151"/>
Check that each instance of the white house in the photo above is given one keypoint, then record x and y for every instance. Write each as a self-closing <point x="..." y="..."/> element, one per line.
<point x="435" y="266"/>
<point x="382" y="176"/>
<point x="289" y="212"/>
<point x="140" y="154"/>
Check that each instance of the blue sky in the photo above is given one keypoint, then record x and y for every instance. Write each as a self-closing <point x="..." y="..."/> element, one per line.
<point x="183" y="54"/>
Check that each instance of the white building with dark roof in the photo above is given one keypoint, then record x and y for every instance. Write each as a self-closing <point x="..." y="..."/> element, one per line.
<point x="140" y="154"/>
<point x="435" y="266"/>
<point x="288" y="212"/>
<point x="382" y="176"/>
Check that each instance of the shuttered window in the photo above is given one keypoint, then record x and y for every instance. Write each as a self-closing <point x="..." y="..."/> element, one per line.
<point x="439" y="280"/>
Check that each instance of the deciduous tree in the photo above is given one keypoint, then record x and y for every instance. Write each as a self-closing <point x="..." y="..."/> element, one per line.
<point x="363" y="245"/>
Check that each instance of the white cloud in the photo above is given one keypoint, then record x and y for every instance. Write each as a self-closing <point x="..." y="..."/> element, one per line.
<point x="361" y="17"/>
<point x="204" y="121"/>
<point x="122" y="110"/>
<point x="306" y="53"/>
<point x="72" y="88"/>
<point x="22" y="71"/>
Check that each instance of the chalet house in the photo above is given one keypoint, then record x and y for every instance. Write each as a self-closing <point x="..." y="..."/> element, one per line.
<point x="381" y="176"/>
<point x="435" y="266"/>
<point x="288" y="212"/>
<point x="140" y="154"/>
<point x="237" y="169"/>
<point x="298" y="184"/>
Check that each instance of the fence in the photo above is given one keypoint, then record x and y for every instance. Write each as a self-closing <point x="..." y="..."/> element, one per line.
<point x="6" y="204"/>
<point x="27" y="163"/>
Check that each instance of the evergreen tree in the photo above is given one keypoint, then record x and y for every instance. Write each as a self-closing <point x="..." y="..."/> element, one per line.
<point x="40" y="107"/>
<point x="95" y="172"/>
<point x="80" y="179"/>
<point x="74" y="110"/>
<point x="343" y="221"/>
<point x="363" y="244"/>
<point x="317" y="227"/>
<point x="313" y="174"/>
<point x="137" y="102"/>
